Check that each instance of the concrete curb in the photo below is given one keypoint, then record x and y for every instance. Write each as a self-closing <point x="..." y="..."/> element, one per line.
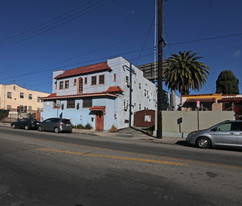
<point x="143" y="137"/>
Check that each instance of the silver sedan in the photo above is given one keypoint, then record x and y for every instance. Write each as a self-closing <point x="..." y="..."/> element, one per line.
<point x="227" y="133"/>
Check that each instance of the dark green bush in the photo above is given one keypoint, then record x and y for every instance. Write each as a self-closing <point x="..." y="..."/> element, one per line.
<point x="80" y="126"/>
<point x="88" y="126"/>
<point x="3" y="113"/>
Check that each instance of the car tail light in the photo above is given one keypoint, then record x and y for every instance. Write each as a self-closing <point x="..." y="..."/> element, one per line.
<point x="61" y="124"/>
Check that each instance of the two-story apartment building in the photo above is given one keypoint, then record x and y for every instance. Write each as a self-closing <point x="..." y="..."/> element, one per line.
<point x="99" y="94"/>
<point x="13" y="96"/>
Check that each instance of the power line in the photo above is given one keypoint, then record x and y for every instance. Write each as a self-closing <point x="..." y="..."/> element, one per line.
<point x="37" y="31"/>
<point x="207" y="39"/>
<point x="146" y="38"/>
<point x="94" y="60"/>
<point x="42" y="25"/>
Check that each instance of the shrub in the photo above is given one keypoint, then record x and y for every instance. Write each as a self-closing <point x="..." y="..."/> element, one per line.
<point x="113" y="129"/>
<point x="79" y="126"/>
<point x="3" y="113"/>
<point x="151" y="130"/>
<point x="88" y="126"/>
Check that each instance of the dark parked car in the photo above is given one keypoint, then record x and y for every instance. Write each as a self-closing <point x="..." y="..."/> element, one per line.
<point x="227" y="133"/>
<point x="25" y="124"/>
<point x="56" y="125"/>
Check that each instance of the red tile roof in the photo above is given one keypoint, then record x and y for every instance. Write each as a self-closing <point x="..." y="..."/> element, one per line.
<point x="85" y="70"/>
<point x="201" y="100"/>
<point x="114" y="89"/>
<point x="83" y="95"/>
<point x="52" y="95"/>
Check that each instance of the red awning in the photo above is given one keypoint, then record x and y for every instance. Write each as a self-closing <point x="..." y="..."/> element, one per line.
<point x="97" y="108"/>
<point x="212" y="100"/>
<point x="232" y="99"/>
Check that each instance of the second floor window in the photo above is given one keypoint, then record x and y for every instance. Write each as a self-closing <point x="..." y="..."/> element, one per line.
<point x="67" y="84"/>
<point x="85" y="81"/>
<point x="94" y="80"/>
<point x="30" y="96"/>
<point x="114" y="77"/>
<point x="9" y="95"/>
<point x="61" y="86"/>
<point x="21" y="95"/>
<point x="74" y="83"/>
<point x="80" y="85"/>
<point x="101" y="79"/>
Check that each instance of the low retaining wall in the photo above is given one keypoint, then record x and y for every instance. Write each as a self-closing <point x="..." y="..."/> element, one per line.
<point x="180" y="123"/>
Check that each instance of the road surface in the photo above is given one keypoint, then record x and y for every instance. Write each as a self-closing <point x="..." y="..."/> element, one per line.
<point x="42" y="168"/>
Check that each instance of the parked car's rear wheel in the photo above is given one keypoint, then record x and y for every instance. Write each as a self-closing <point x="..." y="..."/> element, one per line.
<point x="26" y="127"/>
<point x="13" y="126"/>
<point x="40" y="128"/>
<point x="57" y="130"/>
<point x="203" y="142"/>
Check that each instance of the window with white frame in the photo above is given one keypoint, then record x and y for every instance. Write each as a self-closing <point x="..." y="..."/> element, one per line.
<point x="67" y="84"/>
<point x="9" y="95"/>
<point x="61" y="85"/>
<point x="101" y="79"/>
<point x="70" y="103"/>
<point x="94" y="80"/>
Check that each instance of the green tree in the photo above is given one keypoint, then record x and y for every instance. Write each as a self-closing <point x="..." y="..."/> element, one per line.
<point x="185" y="72"/>
<point x="227" y="83"/>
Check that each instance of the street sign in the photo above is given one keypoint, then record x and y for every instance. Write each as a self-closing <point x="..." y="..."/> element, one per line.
<point x="58" y="103"/>
<point x="198" y="104"/>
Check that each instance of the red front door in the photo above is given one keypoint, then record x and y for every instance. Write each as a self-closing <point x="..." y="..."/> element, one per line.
<point x="99" y="121"/>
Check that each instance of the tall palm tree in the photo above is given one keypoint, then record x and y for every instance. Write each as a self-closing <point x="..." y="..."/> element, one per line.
<point x="185" y="72"/>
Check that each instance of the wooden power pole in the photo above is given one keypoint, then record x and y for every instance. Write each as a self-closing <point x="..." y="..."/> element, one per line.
<point x="160" y="71"/>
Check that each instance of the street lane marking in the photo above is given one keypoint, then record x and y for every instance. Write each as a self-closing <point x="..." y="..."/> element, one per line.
<point x="113" y="157"/>
<point x="157" y="156"/>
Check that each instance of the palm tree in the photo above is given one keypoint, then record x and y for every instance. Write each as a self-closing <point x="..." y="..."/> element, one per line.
<point x="185" y="72"/>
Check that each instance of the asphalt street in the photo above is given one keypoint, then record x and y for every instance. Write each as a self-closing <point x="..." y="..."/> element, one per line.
<point x="41" y="168"/>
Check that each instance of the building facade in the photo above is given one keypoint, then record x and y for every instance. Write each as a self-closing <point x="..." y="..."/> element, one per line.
<point x="13" y="97"/>
<point x="102" y="95"/>
<point x="213" y="102"/>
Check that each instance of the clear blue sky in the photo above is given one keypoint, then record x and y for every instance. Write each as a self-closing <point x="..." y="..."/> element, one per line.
<point x="40" y="36"/>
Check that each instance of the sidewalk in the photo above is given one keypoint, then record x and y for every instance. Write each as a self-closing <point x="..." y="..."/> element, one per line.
<point x="127" y="133"/>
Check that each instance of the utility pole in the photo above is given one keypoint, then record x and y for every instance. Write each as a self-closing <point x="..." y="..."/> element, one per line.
<point x="160" y="71"/>
<point x="130" y="94"/>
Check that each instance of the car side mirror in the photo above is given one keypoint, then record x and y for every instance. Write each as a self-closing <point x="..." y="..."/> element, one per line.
<point x="214" y="129"/>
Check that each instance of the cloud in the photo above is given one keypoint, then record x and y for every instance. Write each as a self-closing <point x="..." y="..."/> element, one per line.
<point x="237" y="53"/>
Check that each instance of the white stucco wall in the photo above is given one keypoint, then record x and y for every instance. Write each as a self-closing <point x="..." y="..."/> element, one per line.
<point x="115" y="113"/>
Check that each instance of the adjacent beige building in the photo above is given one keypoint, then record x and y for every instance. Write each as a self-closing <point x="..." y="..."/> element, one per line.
<point x="13" y="96"/>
